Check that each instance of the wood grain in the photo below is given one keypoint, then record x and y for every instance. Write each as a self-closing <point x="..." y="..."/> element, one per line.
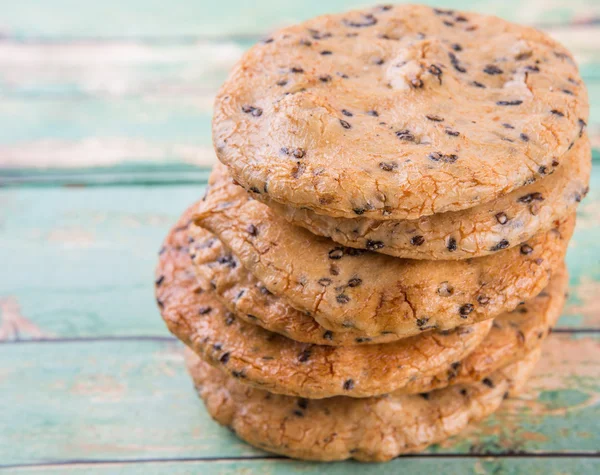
<point x="114" y="401"/>
<point x="63" y="19"/>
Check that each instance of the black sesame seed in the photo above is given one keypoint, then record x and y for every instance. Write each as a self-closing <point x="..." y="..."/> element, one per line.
<point x="296" y="70"/>
<point x="542" y="170"/>
<point x="303" y="403"/>
<point x="421" y="322"/>
<point x="501" y="218"/>
<point x="336" y="253"/>
<point x="492" y="69"/>
<point x="456" y="63"/>
<point x="359" y="211"/>
<point x="488" y="382"/>
<point x="526" y="249"/>
<point x="517" y="102"/>
<point x="508" y="126"/>
<point x="379" y="61"/>
<point x="342" y="298"/>
<point x="524" y="137"/>
<point x="435" y="70"/>
<point x="304" y="355"/>
<point x="362" y="340"/>
<point x="298" y="413"/>
<point x="325" y="78"/>
<point x="445" y="289"/>
<point x="204" y="310"/>
<point x="417" y="240"/>
<point x="441" y="157"/>
<point x="368" y="20"/>
<point x="224" y="358"/>
<point x="347" y="113"/>
<point x="532" y="69"/>
<point x="328" y="335"/>
<point x="326" y="52"/>
<point x="229" y="320"/>
<point x="531" y="197"/>
<point x="478" y="84"/>
<point x="465" y="310"/>
<point x="348" y="385"/>
<point x="345" y="124"/>
<point x="373" y="113"/>
<point x="252" y="230"/>
<point x="388" y="166"/>
<point x="354" y="282"/>
<point x="406" y="135"/>
<point x="324" y="281"/>
<point x="451" y="244"/>
<point x="374" y="245"/>
<point x="160" y="280"/>
<point x="456" y="47"/>
<point x="254" y="111"/>
<point x="500" y="245"/>
<point x="557" y="112"/>
<point x="435" y="118"/>
<point x="452" y="133"/>
<point x="567" y="91"/>
<point x="160" y="303"/>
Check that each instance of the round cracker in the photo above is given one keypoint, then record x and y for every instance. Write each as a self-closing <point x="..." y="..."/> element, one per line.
<point x="398" y="113"/>
<point x="371" y="429"/>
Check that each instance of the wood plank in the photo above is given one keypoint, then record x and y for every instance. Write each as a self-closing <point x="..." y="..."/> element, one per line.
<point x="62" y="19"/>
<point x="196" y="68"/>
<point x="78" y="262"/>
<point x="132" y="400"/>
<point x="412" y="465"/>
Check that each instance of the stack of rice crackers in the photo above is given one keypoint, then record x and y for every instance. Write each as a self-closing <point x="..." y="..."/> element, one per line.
<point x="379" y="255"/>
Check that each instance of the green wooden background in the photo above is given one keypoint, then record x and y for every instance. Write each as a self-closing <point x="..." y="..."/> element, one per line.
<point x="105" y="114"/>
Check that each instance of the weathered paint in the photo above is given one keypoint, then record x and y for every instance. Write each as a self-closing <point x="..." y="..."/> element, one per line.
<point x="124" y="400"/>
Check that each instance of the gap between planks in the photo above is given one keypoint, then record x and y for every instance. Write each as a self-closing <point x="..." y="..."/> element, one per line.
<point x="83" y="462"/>
<point x="169" y="339"/>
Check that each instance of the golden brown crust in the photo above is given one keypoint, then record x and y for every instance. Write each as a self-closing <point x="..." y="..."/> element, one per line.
<point x="473" y="232"/>
<point x="399" y="113"/>
<point x="513" y="335"/>
<point x="345" y="288"/>
<point x="280" y="365"/>
<point x="243" y="294"/>
<point x="372" y="429"/>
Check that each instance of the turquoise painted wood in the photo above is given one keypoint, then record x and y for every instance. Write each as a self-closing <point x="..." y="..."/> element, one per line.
<point x="417" y="466"/>
<point x="152" y="19"/>
<point x="115" y="400"/>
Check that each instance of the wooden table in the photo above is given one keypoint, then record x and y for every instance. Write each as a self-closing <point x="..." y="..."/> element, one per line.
<point x="104" y="117"/>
